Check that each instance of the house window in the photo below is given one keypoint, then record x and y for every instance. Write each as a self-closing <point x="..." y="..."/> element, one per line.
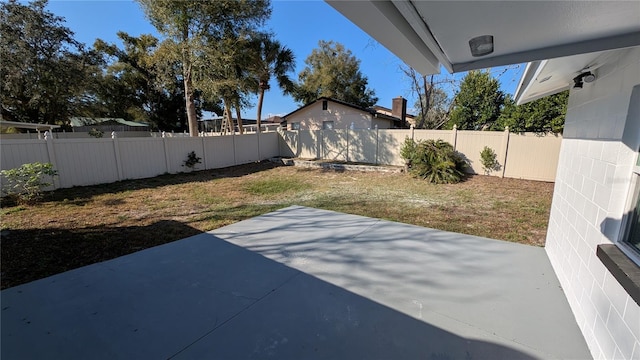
<point x="632" y="230"/>
<point x="295" y="126"/>
<point x="623" y="259"/>
<point x="327" y="125"/>
<point x="324" y="105"/>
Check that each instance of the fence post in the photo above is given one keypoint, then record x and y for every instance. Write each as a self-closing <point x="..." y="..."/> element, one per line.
<point x="348" y="144"/>
<point x="377" y="143"/>
<point x="322" y="150"/>
<point x="204" y="151"/>
<point x="412" y="132"/>
<point x="233" y="141"/>
<point x="166" y="152"/>
<point x="455" y="137"/>
<point x="258" y="133"/>
<point x="505" y="149"/>
<point x="48" y="137"/>
<point x="116" y="151"/>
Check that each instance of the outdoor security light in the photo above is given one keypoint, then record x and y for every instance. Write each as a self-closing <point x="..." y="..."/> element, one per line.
<point x="481" y="45"/>
<point x="588" y="77"/>
<point x="579" y="80"/>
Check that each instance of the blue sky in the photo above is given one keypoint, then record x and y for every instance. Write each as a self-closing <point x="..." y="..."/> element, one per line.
<point x="298" y="25"/>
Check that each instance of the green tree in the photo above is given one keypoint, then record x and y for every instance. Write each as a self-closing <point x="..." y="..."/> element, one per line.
<point x="271" y="59"/>
<point x="128" y="78"/>
<point x="229" y="76"/>
<point x="44" y="70"/>
<point x="478" y="103"/>
<point x="332" y="71"/>
<point x="541" y="116"/>
<point x="140" y="84"/>
<point x="191" y="27"/>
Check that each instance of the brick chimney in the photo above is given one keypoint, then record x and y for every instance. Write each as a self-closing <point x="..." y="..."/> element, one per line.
<point x="399" y="109"/>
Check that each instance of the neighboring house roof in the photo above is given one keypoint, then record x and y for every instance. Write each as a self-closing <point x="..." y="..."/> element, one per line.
<point x="88" y="121"/>
<point x="428" y="34"/>
<point x="379" y="108"/>
<point x="371" y="111"/>
<point x="23" y="125"/>
<point x="273" y="119"/>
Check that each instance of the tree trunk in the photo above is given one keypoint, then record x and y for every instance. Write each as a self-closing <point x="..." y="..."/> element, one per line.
<point x="189" y="95"/>
<point x="260" y="99"/>
<point x="227" y="108"/>
<point x="192" y="118"/>
<point x="239" y="117"/>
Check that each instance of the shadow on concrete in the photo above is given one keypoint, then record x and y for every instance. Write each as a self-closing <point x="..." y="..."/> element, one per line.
<point x="308" y="318"/>
<point x="332" y="246"/>
<point x="204" y="297"/>
<point x="456" y="281"/>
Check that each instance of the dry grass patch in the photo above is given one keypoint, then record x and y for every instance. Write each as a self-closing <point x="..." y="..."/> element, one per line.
<point x="83" y="225"/>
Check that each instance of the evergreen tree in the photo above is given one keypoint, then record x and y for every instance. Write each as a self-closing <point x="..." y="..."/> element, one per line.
<point x="191" y="27"/>
<point x="478" y="103"/>
<point x="44" y="70"/>
<point x="543" y="115"/>
<point x="332" y="71"/>
<point x="141" y="84"/>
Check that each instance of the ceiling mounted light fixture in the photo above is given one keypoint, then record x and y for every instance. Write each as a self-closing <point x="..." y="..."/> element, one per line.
<point x="481" y="45"/>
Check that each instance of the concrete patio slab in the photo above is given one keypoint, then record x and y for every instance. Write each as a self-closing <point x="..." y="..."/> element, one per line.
<point x="301" y="283"/>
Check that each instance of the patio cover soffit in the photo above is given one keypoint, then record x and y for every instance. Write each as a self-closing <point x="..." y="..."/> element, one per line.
<point x="428" y="34"/>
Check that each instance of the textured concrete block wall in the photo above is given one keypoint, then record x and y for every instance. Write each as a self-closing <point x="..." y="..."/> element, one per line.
<point x="591" y="190"/>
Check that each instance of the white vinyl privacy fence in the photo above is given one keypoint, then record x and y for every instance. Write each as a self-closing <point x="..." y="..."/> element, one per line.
<point x="524" y="156"/>
<point x="90" y="161"/>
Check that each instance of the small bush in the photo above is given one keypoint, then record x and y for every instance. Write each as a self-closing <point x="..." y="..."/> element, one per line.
<point x="25" y="184"/>
<point x="489" y="161"/>
<point x="96" y="133"/>
<point x="408" y="149"/>
<point x="434" y="160"/>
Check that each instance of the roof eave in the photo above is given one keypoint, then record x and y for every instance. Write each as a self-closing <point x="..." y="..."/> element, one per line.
<point x="31" y="126"/>
<point x="394" y="32"/>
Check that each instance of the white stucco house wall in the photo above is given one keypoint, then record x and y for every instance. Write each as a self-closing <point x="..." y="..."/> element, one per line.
<point x="593" y="49"/>
<point x="328" y="114"/>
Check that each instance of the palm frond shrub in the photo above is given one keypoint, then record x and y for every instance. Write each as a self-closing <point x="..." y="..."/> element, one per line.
<point x="434" y="160"/>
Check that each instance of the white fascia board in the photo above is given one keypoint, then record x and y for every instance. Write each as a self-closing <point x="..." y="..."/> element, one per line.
<point x="383" y="22"/>
<point x="529" y="80"/>
<point x="529" y="76"/>
<point x="409" y="12"/>
<point x="525" y="99"/>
